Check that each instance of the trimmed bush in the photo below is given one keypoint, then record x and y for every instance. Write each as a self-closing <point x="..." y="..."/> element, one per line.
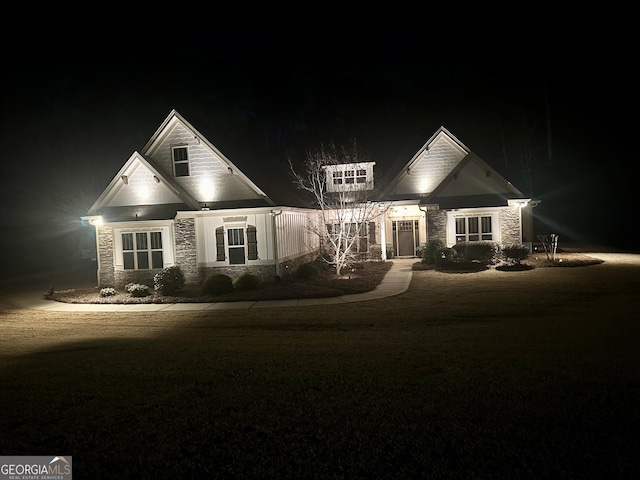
<point x="444" y="256"/>
<point x="138" y="290"/>
<point x="307" y="271"/>
<point x="482" y="252"/>
<point x="217" y="284"/>
<point x="515" y="252"/>
<point x="169" y="281"/>
<point x="246" y="282"/>
<point x="107" y="292"/>
<point x="428" y="252"/>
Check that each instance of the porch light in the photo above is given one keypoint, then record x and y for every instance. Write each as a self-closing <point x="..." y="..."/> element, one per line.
<point x="520" y="203"/>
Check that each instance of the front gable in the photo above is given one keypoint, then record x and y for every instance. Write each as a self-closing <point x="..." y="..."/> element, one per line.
<point x="474" y="177"/>
<point x="141" y="183"/>
<point x="199" y="167"/>
<point x="428" y="167"/>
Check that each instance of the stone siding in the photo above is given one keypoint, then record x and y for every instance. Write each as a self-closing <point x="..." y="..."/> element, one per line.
<point x="437" y="225"/>
<point x="186" y="259"/>
<point x="105" y="257"/>
<point x="510" y="225"/>
<point x="266" y="273"/>
<point x="287" y="268"/>
<point x="144" y="277"/>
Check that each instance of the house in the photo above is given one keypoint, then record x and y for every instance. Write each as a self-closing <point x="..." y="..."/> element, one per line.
<point x="181" y="201"/>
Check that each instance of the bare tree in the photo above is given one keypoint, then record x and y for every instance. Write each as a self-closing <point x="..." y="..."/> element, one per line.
<point x="343" y="194"/>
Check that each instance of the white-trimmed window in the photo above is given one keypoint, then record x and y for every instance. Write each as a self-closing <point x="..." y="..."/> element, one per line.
<point x="180" y="161"/>
<point x="349" y="176"/>
<point x="236" y="244"/>
<point x="142" y="250"/>
<point x="474" y="228"/>
<point x="349" y="231"/>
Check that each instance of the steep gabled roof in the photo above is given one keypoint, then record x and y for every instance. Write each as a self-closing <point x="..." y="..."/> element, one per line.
<point x="166" y="185"/>
<point x="174" y="116"/>
<point x="473" y="182"/>
<point x="422" y="160"/>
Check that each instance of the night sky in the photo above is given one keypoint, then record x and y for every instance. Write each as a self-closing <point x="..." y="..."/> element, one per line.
<point x="75" y="109"/>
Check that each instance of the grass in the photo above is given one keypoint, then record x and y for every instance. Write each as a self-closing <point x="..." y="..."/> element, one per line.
<point x="363" y="277"/>
<point x="490" y="375"/>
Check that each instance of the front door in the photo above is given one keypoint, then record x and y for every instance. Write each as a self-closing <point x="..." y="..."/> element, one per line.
<point x="405" y="233"/>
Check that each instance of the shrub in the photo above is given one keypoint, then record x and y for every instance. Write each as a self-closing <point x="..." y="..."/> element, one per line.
<point x="169" y="280"/>
<point x="107" y="292"/>
<point x="138" y="290"/>
<point x="246" y="282"/>
<point x="444" y="256"/>
<point x="307" y="271"/>
<point x="515" y="252"/>
<point x="482" y="252"/>
<point x="217" y="284"/>
<point x="429" y="251"/>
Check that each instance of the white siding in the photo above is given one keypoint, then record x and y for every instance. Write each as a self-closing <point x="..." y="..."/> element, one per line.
<point x="209" y="179"/>
<point x="431" y="167"/>
<point x="295" y="237"/>
<point x="142" y="189"/>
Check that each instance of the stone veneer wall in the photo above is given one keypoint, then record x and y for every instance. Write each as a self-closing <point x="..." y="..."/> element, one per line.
<point x="145" y="277"/>
<point x="106" y="269"/>
<point x="290" y="266"/>
<point x="185" y="238"/>
<point x="437" y="225"/>
<point x="266" y="273"/>
<point x="510" y="221"/>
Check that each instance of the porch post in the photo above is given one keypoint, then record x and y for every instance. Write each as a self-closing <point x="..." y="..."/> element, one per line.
<point x="383" y="236"/>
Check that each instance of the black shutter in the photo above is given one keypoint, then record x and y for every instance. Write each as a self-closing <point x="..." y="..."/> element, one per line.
<point x="372" y="232"/>
<point x="220" y="256"/>
<point x="252" y="243"/>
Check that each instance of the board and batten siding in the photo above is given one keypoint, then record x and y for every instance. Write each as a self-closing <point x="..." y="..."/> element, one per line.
<point x="295" y="237"/>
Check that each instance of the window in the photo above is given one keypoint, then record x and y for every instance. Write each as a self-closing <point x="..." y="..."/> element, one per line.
<point x="348" y="232"/>
<point x="349" y="176"/>
<point x="181" y="161"/>
<point x="473" y="229"/>
<point x="142" y="250"/>
<point x="235" y="241"/>
<point x="241" y="244"/>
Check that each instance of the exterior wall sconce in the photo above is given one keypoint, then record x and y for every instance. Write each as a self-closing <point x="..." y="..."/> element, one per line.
<point x="125" y="179"/>
<point x="156" y="179"/>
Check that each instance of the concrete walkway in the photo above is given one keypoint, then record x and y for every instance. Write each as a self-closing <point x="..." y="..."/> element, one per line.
<point x="396" y="281"/>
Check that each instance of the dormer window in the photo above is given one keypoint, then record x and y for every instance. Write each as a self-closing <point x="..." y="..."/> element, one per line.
<point x="350" y="177"/>
<point x="180" y="161"/>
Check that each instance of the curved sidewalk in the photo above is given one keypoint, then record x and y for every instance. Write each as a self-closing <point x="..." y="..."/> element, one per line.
<point x="396" y="281"/>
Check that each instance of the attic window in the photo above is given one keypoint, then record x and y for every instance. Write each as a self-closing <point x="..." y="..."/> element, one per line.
<point x="180" y="161"/>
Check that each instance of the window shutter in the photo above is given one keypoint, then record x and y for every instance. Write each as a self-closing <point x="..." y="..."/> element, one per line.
<point x="220" y="257"/>
<point x="252" y="243"/>
<point x="372" y="232"/>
